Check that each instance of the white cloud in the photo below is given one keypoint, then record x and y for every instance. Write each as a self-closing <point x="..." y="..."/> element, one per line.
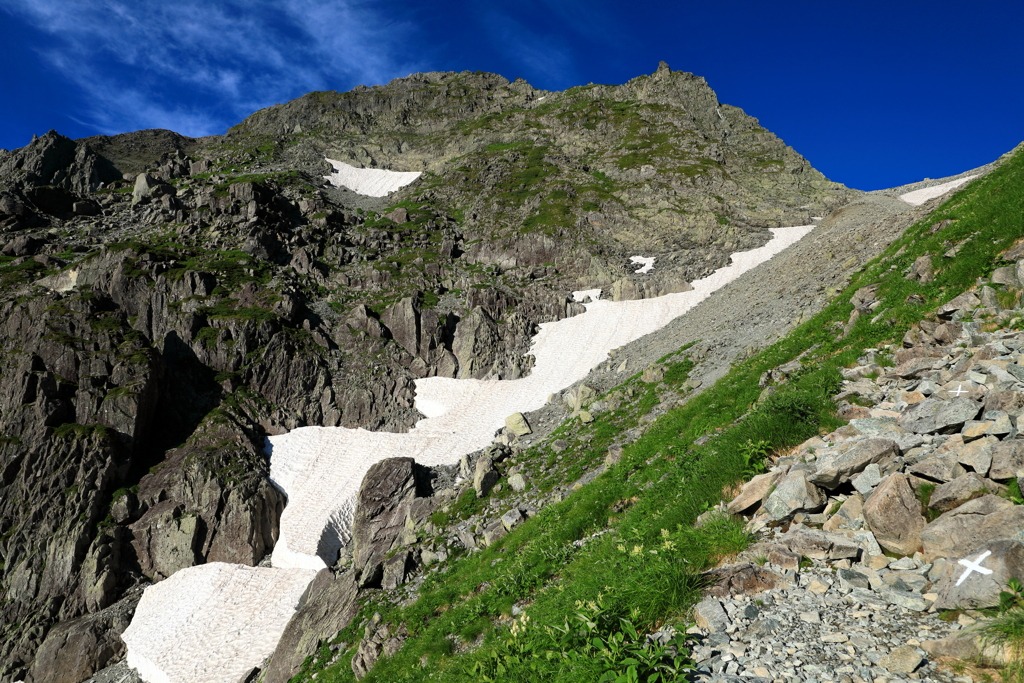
<point x="135" y="60"/>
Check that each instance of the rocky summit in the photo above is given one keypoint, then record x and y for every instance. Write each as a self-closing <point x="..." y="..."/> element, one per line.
<point x="813" y="473"/>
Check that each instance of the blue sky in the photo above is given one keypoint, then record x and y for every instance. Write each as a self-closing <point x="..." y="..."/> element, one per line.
<point x="874" y="94"/>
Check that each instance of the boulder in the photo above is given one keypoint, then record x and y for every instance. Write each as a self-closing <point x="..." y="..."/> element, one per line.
<point x="970" y="646"/>
<point x="977" y="455"/>
<point x="1007" y="460"/>
<point x="518" y="482"/>
<point x="75" y="650"/>
<point x="893" y="514"/>
<point x="741" y="579"/>
<point x="517" y="425"/>
<point x="484" y="476"/>
<point x="965" y="302"/>
<point x="964" y="586"/>
<point x="941" y="468"/>
<point x="850" y="515"/>
<point x="969" y="526"/>
<point x="903" y="660"/>
<point x="794" y="494"/>
<point x="953" y="493"/>
<point x="754" y="492"/>
<point x="934" y="415"/>
<point x="836" y="466"/>
<point x="709" y="614"/>
<point x="403" y="320"/>
<point x="819" y="545"/>
<point x="474" y="344"/>
<point x="382" y="509"/>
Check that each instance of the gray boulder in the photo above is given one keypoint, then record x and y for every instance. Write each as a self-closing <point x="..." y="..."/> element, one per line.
<point x="893" y="514"/>
<point x="794" y="494"/>
<point x="965" y="587"/>
<point x="1007" y="460"/>
<point x="819" y="545"/>
<point x="754" y="492"/>
<point x="165" y="540"/>
<point x="485" y="476"/>
<point x="941" y="468"/>
<point x="971" y="525"/>
<point x="960" y="490"/>
<point x="836" y="466"/>
<point x="936" y="415"/>
<point x="387" y="504"/>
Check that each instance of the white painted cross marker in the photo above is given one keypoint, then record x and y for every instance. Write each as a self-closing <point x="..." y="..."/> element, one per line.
<point x="974" y="567"/>
<point x="959" y="390"/>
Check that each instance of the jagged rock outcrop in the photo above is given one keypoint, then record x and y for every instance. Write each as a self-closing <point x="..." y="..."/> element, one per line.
<point x="392" y="501"/>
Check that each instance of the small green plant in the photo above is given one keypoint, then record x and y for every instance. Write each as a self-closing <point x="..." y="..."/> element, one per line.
<point x="1006" y="629"/>
<point x="754" y="455"/>
<point x="592" y="640"/>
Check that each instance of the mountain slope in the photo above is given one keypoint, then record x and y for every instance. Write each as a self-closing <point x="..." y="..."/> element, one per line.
<point x="158" y="326"/>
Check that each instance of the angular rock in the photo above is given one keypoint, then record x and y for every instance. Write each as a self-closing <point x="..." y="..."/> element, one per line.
<point x="868" y="479"/>
<point x="484" y="476"/>
<point x="512" y="519"/>
<point x="754" y="492"/>
<point x="850" y="579"/>
<point x="836" y="466"/>
<point x="742" y="579"/>
<point x="934" y="415"/>
<point x="517" y="425"/>
<point x="893" y="514"/>
<point x="709" y="614"/>
<point x="969" y="647"/>
<point x="379" y="522"/>
<point x="941" y="468"/>
<point x="849" y="516"/>
<point x="518" y="482"/>
<point x="960" y="490"/>
<point x="977" y="455"/>
<point x="903" y="660"/>
<point x="964" y="302"/>
<point x="74" y="650"/>
<point x="792" y="495"/>
<point x="964" y="587"/>
<point x="819" y="545"/>
<point x="329" y="605"/>
<point x="971" y="525"/>
<point x="1007" y="460"/>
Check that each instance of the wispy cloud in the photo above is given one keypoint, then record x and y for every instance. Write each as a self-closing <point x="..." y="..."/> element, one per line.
<point x="198" y="66"/>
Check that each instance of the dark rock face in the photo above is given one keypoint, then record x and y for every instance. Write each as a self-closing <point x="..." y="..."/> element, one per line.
<point x="329" y="606"/>
<point x="75" y="650"/>
<point x="390" y="501"/>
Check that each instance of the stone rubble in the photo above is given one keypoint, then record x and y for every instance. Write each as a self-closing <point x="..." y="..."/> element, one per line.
<point x="929" y="471"/>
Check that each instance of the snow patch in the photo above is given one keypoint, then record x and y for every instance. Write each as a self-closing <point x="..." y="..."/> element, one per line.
<point x="372" y="182"/>
<point x="212" y="623"/>
<point x="919" y="197"/>
<point x="646" y="261"/>
<point x="579" y="296"/>
<point x="321" y="468"/>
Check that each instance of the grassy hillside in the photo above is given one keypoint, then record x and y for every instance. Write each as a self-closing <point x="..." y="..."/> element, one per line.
<point x="620" y="557"/>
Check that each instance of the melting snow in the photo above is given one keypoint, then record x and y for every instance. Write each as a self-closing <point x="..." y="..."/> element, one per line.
<point x="646" y="261"/>
<point x="919" y="197"/>
<point x="372" y="182"/>
<point x="579" y="296"/>
<point x="213" y="622"/>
